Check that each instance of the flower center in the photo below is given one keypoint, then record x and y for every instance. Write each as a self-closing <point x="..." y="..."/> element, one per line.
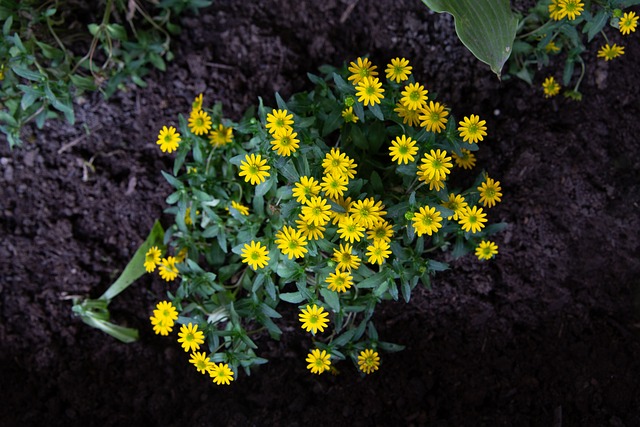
<point x="414" y="96"/>
<point x="199" y="122"/>
<point x="167" y="138"/>
<point x="253" y="170"/>
<point x="313" y="319"/>
<point x="255" y="256"/>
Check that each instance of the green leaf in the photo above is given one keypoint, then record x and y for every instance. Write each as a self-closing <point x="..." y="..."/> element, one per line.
<point x="372" y="282"/>
<point x="486" y="27"/>
<point x="6" y="27"/>
<point x="27" y="74"/>
<point x="292" y="297"/>
<point x="331" y="298"/>
<point x="135" y="267"/>
<point x="594" y="25"/>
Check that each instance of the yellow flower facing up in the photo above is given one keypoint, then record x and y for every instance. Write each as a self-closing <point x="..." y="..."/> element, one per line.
<point x="345" y="258"/>
<point x="409" y="117"/>
<point x="161" y="326"/>
<point x="339" y="281"/>
<point x="550" y="87"/>
<point x="368" y="361"/>
<point x="278" y="121"/>
<point x="434" y="184"/>
<point x="168" y="270"/>
<point x="307" y="188"/>
<point x="628" y="23"/>
<point x="472" y="219"/>
<point x="350" y="230"/>
<point x="201" y="362"/>
<point x="486" y="250"/>
<point x="570" y="9"/>
<point x="166" y="311"/>
<point x="433" y="117"/>
<point x="334" y="185"/>
<point x="610" y="52"/>
<point x="313" y="319"/>
<point x="398" y="70"/>
<point x="360" y="69"/>
<point x="285" y="142"/>
<point x="457" y="204"/>
<point x="199" y="122"/>
<point x="316" y="211"/>
<point x="490" y="192"/>
<point x="168" y="139"/>
<point x="367" y="212"/>
<point x="370" y="91"/>
<point x="152" y="259"/>
<point x="335" y="162"/>
<point x="242" y="209"/>
<point x="338" y="215"/>
<point x="256" y="255"/>
<point x="309" y="230"/>
<point x="436" y="165"/>
<point x="414" y="96"/>
<point x="403" y="149"/>
<point x="291" y="242"/>
<point x="318" y="361"/>
<point x="190" y="337"/>
<point x="254" y="169"/>
<point x="467" y="160"/>
<point x="220" y="136"/>
<point x="381" y="230"/>
<point x="472" y="129"/>
<point x="427" y="221"/>
<point x="221" y="374"/>
<point x="378" y="251"/>
<point x="349" y="116"/>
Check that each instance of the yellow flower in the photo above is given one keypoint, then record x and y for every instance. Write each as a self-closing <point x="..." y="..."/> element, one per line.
<point x="381" y="230"/>
<point x="628" y="23"/>
<point x="361" y="69"/>
<point x="335" y="162"/>
<point x="291" y="242"/>
<point x="436" y="165"/>
<point x="403" y="149"/>
<point x="398" y="70"/>
<point x="550" y="87"/>
<point x="197" y="103"/>
<point x="199" y="122"/>
<point x="427" y="221"/>
<point x="551" y="47"/>
<point x="221" y="135"/>
<point x="368" y="361"/>
<point x="378" y="251"/>
<point x="414" y="96"/>
<point x="190" y="337"/>
<point x="456" y="203"/>
<point x="570" y="8"/>
<point x="316" y="211"/>
<point x="305" y="189"/>
<point x="254" y="254"/>
<point x="310" y="230"/>
<point x="609" y="52"/>
<point x="221" y="374"/>
<point x="279" y="120"/>
<point x="554" y="11"/>
<point x="345" y="258"/>
<point x="242" y="209"/>
<point x="339" y="281"/>
<point x="369" y="91"/>
<point x="313" y="319"/>
<point x="152" y="258"/>
<point x="168" y="139"/>
<point x="285" y="142"/>
<point x="433" y="117"/>
<point x="350" y="230"/>
<point x="334" y="185"/>
<point x="349" y="116"/>
<point x="168" y="270"/>
<point x="467" y="160"/>
<point x="161" y="326"/>
<point x="319" y="361"/>
<point x="408" y="116"/>
<point x="472" y="219"/>
<point x="201" y="361"/>
<point x="486" y="250"/>
<point x="472" y="129"/>
<point x="490" y="192"/>
<point x="254" y="169"/>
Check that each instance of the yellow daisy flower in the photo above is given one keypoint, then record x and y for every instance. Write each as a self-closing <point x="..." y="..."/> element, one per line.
<point x="550" y="87"/>
<point x="403" y="149"/>
<point x="433" y="117"/>
<point x="339" y="281"/>
<point x="368" y="361"/>
<point x="369" y="91"/>
<point x="318" y="361"/>
<point x="466" y="161"/>
<point x="199" y="122"/>
<point x="313" y="319"/>
<point x="307" y="188"/>
<point x="486" y="250"/>
<point x="361" y="69"/>
<point x="221" y="135"/>
<point x="221" y="374"/>
<point x="254" y="169"/>
<point x="426" y="221"/>
<point x="610" y="52"/>
<point x="279" y="120"/>
<point x="152" y="259"/>
<point x="190" y="337"/>
<point x="168" y="139"/>
<point x="256" y="255"/>
<point x="414" y="96"/>
<point x="345" y="258"/>
<point x="472" y="129"/>
<point x="291" y="242"/>
<point x="628" y="23"/>
<point x="378" y="251"/>
<point x="398" y="70"/>
<point x="490" y="192"/>
<point x="472" y="219"/>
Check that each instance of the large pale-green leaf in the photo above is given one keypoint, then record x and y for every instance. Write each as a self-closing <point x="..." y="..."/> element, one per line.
<point x="486" y="27"/>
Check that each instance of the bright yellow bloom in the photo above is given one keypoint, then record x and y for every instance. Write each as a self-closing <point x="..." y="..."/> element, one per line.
<point x="408" y="116"/>
<point x="550" y="87"/>
<point x="433" y="117"/>
<point x="609" y="52"/>
<point x="201" y="362"/>
<point x="190" y="337"/>
<point x="351" y="168"/>
<point x="152" y="259"/>
<point x="182" y="255"/>
<point x="254" y="169"/>
<point x="368" y="361"/>
<point x="472" y="129"/>
<point x="221" y="135"/>
<point x="285" y="142"/>
<point x="313" y="319"/>
<point x="434" y="184"/>
<point x="472" y="219"/>
<point x="316" y="211"/>
<point x="221" y="374"/>
<point x="345" y="258"/>
<point x="628" y="23"/>
<point x="403" y="149"/>
<point x="360" y="69"/>
<point x="378" y="251"/>
<point x="242" y="209"/>
<point x="279" y="120"/>
<point x="291" y="242"/>
<point x="338" y="216"/>
<point x="490" y="192"/>
<point x="414" y="96"/>
<point x="349" y="116"/>
<point x="398" y="70"/>
<point x="168" y="139"/>
<point x="554" y="11"/>
<point x="310" y="230"/>
<point x="199" y="122"/>
<point x="196" y="105"/>
<point x="307" y="188"/>
<point x="570" y="8"/>
<point x="334" y="185"/>
<point x="486" y="250"/>
<point x="335" y="162"/>
<point x="427" y="221"/>
<point x="456" y="203"/>
<point x="367" y="212"/>
<point x="168" y="270"/>
<point x="435" y="165"/>
<point x="256" y="255"/>
<point x="466" y="161"/>
<point x="369" y="91"/>
<point x="339" y="281"/>
<point x="319" y="361"/>
<point x="350" y="230"/>
<point x="166" y="311"/>
<point x="161" y="326"/>
<point x="381" y="230"/>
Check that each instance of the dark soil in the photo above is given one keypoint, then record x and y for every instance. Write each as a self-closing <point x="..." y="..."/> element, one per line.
<point x="547" y="334"/>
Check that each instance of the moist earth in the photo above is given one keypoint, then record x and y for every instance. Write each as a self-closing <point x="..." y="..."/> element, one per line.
<point x="546" y="334"/>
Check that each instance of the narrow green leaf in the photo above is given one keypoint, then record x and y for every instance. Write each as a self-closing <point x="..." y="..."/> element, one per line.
<point x="292" y="297"/>
<point x="486" y="27"/>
